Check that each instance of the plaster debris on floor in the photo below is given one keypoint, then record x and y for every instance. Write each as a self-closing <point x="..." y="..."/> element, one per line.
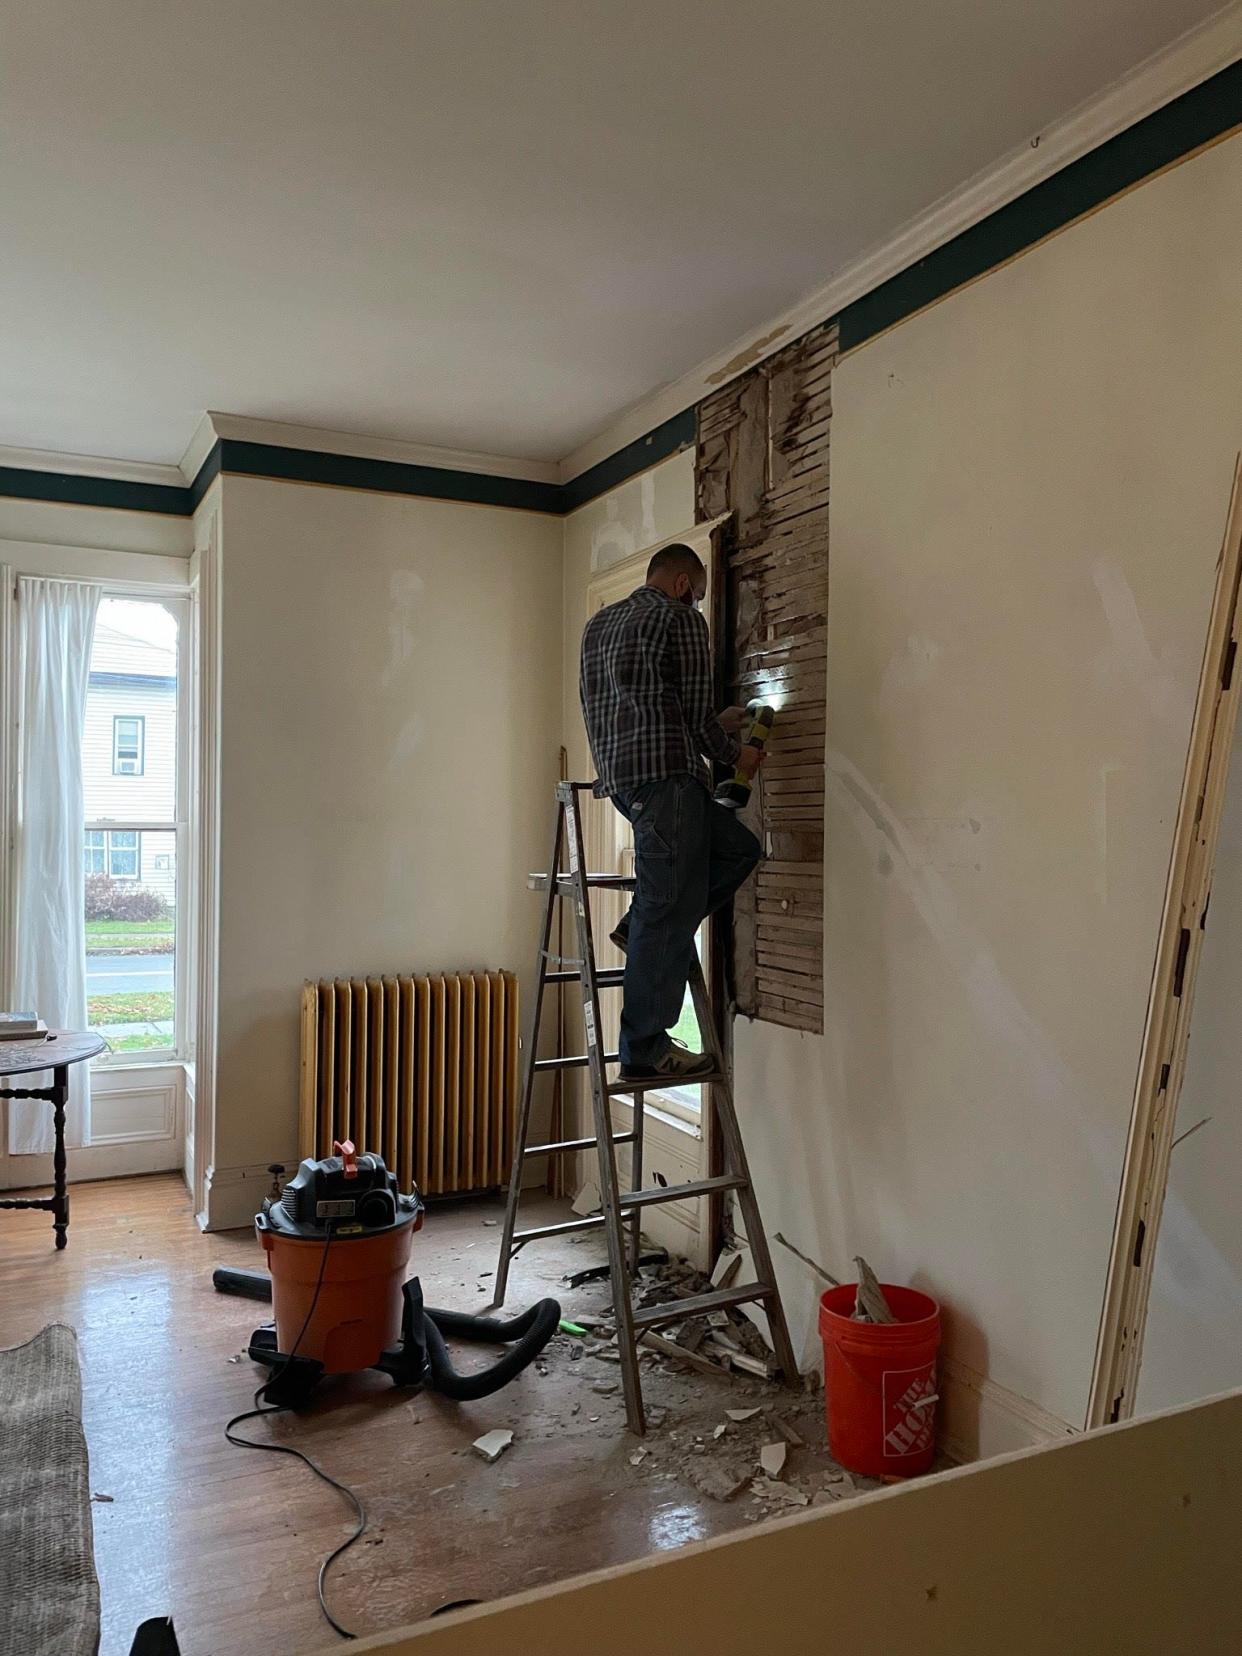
<point x="772" y="1458"/>
<point x="492" y="1445"/>
<point x="720" y="1422"/>
<point x="575" y="1490"/>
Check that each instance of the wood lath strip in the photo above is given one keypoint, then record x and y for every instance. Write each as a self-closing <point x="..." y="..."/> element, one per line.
<point x="763" y="456"/>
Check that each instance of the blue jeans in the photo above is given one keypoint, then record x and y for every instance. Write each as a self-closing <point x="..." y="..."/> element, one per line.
<point x="691" y="855"/>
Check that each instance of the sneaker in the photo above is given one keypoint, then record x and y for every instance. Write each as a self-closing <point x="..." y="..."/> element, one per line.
<point x="620" y="939"/>
<point x="678" y="1064"/>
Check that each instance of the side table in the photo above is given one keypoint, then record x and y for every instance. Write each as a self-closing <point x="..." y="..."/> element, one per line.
<point x="59" y="1049"/>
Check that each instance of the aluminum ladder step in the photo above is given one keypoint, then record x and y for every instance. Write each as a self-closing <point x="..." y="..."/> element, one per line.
<point x="640" y="1083"/>
<point x="567" y="885"/>
<point x="664" y="1083"/>
<point x="698" y="1305"/>
<point x="612" y="978"/>
<point x="657" y="1194"/>
<point x="561" y="1228"/>
<point x="579" y="1060"/>
<point x="564" y="1146"/>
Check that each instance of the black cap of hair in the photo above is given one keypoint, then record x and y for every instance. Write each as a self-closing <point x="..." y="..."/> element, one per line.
<point x="677" y="559"/>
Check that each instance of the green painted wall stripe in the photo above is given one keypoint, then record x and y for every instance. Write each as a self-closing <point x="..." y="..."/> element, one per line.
<point x="387" y="476"/>
<point x="1205" y="112"/>
<point x="205" y="476"/>
<point x="1197" y="117"/>
<point x="242" y="459"/>
<point x="67" y="490"/>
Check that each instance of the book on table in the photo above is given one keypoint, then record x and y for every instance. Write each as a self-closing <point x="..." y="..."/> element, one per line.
<point x="21" y="1026"/>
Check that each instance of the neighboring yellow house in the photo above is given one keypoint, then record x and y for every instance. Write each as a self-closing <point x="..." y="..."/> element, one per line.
<point x="129" y="746"/>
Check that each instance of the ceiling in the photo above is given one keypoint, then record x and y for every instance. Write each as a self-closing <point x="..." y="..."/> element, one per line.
<point x="484" y="224"/>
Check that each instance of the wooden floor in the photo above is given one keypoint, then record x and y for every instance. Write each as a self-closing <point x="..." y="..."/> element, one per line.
<point x="228" y="1542"/>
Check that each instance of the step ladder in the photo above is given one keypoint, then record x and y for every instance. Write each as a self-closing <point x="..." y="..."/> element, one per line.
<point x="626" y="1208"/>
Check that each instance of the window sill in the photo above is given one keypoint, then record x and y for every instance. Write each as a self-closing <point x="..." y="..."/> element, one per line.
<point x="658" y="1113"/>
<point x="122" y="1062"/>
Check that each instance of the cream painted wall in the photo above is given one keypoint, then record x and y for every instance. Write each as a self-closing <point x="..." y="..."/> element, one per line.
<point x="390" y="707"/>
<point x="1029" y="488"/>
<point x="51" y="524"/>
<point x="1193" y="1345"/>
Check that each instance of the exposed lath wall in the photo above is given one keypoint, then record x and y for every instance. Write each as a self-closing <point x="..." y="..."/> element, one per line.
<point x="763" y="455"/>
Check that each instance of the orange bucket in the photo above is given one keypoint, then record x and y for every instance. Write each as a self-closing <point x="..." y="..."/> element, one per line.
<point x="880" y="1382"/>
<point x="358" y="1313"/>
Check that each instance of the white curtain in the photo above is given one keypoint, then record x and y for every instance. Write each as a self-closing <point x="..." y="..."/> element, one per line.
<point x="55" y="623"/>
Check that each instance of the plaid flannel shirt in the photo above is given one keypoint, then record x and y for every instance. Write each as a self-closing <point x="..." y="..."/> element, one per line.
<point x="645" y="684"/>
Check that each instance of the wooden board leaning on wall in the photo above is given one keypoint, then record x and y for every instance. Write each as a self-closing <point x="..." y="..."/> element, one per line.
<point x="763" y="456"/>
<point x="1118" y="1540"/>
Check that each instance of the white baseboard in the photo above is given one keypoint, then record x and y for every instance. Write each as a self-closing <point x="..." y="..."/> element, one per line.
<point x="979" y="1418"/>
<point x="233" y="1195"/>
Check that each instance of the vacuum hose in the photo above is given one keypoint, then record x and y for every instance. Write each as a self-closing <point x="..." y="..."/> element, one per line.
<point x="525" y="1335"/>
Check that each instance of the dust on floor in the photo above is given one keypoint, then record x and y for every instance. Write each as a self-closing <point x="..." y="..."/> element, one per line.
<point x="576" y="1490"/>
<point x="721" y="1435"/>
<point x="228" y="1542"/>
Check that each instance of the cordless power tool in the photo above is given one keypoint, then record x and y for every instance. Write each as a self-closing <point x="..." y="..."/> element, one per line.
<point x="735" y="793"/>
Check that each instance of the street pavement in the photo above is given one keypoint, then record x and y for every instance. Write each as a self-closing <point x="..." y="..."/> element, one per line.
<point x="128" y="974"/>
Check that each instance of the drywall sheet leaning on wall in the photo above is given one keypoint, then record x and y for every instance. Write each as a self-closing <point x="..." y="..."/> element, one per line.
<point x="1193" y="1343"/>
<point x="1115" y="1542"/>
<point x="1028" y="494"/>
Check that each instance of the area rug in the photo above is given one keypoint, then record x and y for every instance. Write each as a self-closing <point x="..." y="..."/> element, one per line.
<point x="49" y="1592"/>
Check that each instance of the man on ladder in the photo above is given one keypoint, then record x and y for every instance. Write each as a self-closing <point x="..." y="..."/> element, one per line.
<point x="646" y="687"/>
<point x="646" y="694"/>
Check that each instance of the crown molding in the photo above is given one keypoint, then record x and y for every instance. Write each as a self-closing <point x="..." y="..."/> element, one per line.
<point x="197" y="449"/>
<point x="90" y="465"/>
<point x="1192" y="58"/>
<point x="278" y="434"/>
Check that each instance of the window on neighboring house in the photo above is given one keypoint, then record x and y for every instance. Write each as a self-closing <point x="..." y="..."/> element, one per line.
<point x="96" y="851"/>
<point x="116" y="854"/>
<point x="123" y="856"/>
<point x="128" y="741"/>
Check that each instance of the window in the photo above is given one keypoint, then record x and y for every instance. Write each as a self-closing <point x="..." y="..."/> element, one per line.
<point x="96" y="851"/>
<point x="136" y="793"/>
<point x="123" y="863"/>
<point x="118" y="854"/>
<point x="128" y="743"/>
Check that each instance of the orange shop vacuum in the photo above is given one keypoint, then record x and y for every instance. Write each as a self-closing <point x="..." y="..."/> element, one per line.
<point x="337" y="1240"/>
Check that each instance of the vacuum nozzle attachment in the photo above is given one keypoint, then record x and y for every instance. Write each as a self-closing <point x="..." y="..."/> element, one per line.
<point x="735" y="793"/>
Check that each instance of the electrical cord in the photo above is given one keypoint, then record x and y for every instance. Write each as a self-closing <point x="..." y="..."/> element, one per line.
<point x="299" y="1454"/>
